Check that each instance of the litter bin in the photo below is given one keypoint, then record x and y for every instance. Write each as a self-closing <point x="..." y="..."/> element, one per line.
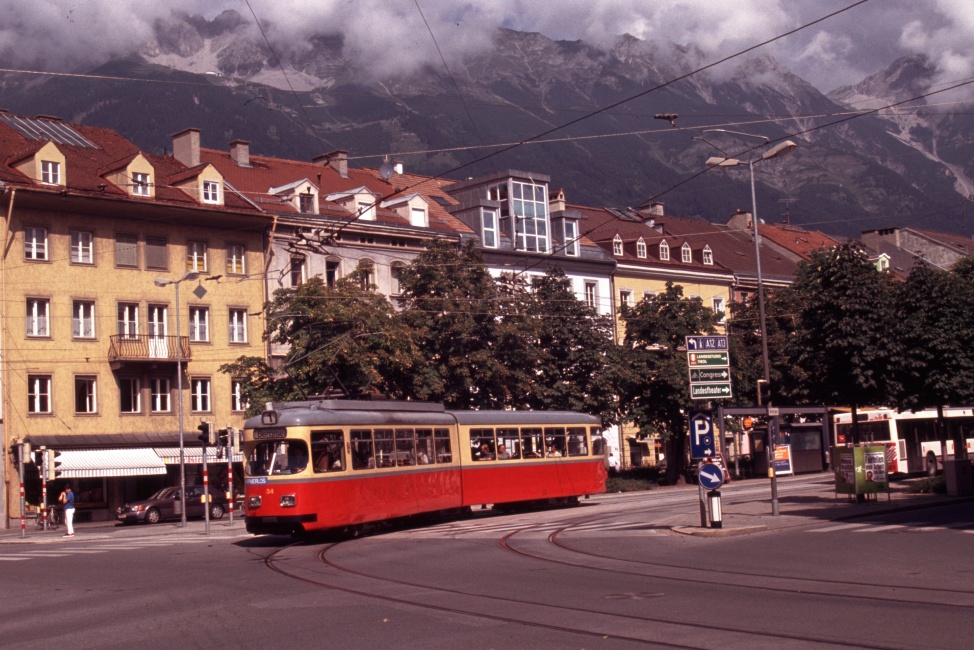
<point x="959" y="477"/>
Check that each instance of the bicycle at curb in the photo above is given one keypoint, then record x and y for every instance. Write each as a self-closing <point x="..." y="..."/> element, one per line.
<point x="53" y="519"/>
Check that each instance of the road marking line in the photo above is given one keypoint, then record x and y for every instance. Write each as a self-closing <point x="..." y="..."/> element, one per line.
<point x="878" y="529"/>
<point x="13" y="558"/>
<point x="829" y="529"/>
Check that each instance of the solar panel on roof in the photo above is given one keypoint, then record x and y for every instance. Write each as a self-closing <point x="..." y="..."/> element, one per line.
<point x="56" y="132"/>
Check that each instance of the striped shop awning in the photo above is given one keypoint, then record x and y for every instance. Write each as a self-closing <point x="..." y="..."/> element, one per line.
<point x="94" y="463"/>
<point x="193" y="455"/>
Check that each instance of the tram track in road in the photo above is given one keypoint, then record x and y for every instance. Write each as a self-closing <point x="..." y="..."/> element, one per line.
<point x="585" y="621"/>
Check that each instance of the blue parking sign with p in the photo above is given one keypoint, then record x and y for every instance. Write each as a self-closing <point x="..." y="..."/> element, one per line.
<point x="701" y="435"/>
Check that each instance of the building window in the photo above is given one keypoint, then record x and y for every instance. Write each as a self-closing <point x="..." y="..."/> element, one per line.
<point x="718" y="304"/>
<point x="489" y="231"/>
<point x="617" y="246"/>
<point x="238" y="325"/>
<point x="127" y="251"/>
<point x="366" y="210"/>
<point x="366" y="270"/>
<point x="592" y="295"/>
<point x="417" y="217"/>
<point x="664" y="251"/>
<point x="85" y="395"/>
<point x="50" y="172"/>
<point x="236" y="259"/>
<point x="199" y="324"/>
<point x="38" y="317"/>
<point x="35" y="243"/>
<point x="82" y="247"/>
<point x="331" y="273"/>
<point x="140" y="184"/>
<point x="199" y="394"/>
<point x="196" y="256"/>
<point x="641" y="248"/>
<point x="129" y="395"/>
<point x="686" y="254"/>
<point x="161" y="396"/>
<point x="237" y="401"/>
<point x="529" y="203"/>
<point x="83" y="319"/>
<point x="571" y="238"/>
<point x="708" y="256"/>
<point x="306" y="203"/>
<point x="38" y="393"/>
<point x="625" y="298"/>
<point x="128" y="320"/>
<point x="158" y="315"/>
<point x="297" y="271"/>
<point x="649" y="295"/>
<point x="395" y="272"/>
<point x="211" y="192"/>
<point x="156" y="253"/>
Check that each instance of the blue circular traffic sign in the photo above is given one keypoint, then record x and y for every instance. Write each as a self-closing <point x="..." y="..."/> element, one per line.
<point x="710" y="475"/>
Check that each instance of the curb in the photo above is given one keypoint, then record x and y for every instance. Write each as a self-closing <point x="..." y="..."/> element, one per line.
<point x="718" y="532"/>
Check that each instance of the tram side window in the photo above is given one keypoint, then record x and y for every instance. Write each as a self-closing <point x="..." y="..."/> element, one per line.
<point x="532" y="442"/>
<point x="363" y="452"/>
<point x="554" y="438"/>
<point x="598" y="443"/>
<point x="327" y="451"/>
<point x="577" y="445"/>
<point x="444" y="451"/>
<point x="509" y="440"/>
<point x="424" y="446"/>
<point x="405" y="447"/>
<point x="482" y="444"/>
<point x="287" y="457"/>
<point x="385" y="448"/>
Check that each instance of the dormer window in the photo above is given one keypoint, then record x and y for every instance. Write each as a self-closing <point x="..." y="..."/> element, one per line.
<point x="489" y="231"/>
<point x="708" y="256"/>
<point x="617" y="246"/>
<point x="664" y="251"/>
<point x="414" y="208"/>
<point x="571" y="237"/>
<point x="306" y="203"/>
<point x="417" y="217"/>
<point x="50" y="172"/>
<point x="641" y="248"/>
<point x="361" y="202"/>
<point x="686" y="253"/>
<point x="140" y="184"/>
<point x="211" y="192"/>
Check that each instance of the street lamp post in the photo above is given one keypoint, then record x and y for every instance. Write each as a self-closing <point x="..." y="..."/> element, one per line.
<point x="163" y="282"/>
<point x="781" y="149"/>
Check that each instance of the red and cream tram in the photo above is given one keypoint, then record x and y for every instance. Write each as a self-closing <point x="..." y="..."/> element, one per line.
<point x="329" y="464"/>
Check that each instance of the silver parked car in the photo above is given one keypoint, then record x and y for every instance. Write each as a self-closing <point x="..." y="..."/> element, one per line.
<point x="165" y="504"/>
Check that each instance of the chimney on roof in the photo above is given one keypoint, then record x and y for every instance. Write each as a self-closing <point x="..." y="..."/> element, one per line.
<point x="337" y="160"/>
<point x="656" y="208"/>
<point x="557" y="202"/>
<point x="186" y="147"/>
<point x="240" y="153"/>
<point x="741" y="219"/>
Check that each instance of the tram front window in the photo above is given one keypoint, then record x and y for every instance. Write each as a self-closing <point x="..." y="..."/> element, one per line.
<point x="275" y="458"/>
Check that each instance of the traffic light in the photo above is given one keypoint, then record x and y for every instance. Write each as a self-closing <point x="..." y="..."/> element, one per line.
<point x="204" y="436"/>
<point x="764" y="392"/>
<point x="53" y="464"/>
<point x="224" y="436"/>
<point x="234" y="439"/>
<point x="25" y="451"/>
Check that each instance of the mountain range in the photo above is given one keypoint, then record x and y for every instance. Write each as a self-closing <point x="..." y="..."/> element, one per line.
<point x="911" y="166"/>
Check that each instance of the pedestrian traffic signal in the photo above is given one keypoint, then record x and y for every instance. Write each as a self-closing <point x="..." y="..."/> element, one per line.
<point x="53" y="464"/>
<point x="764" y="392"/>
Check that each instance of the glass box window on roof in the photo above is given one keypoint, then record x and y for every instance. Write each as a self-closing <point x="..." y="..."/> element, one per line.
<point x="47" y="130"/>
<point x="529" y="204"/>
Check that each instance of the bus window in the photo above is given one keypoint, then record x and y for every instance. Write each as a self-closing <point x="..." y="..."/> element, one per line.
<point x="363" y="453"/>
<point x="554" y="440"/>
<point x="482" y="444"/>
<point x="576" y="442"/>
<point x="327" y="451"/>
<point x="424" y="446"/>
<point x="385" y="448"/>
<point x="512" y="444"/>
<point x="405" y="447"/>
<point x="444" y="452"/>
<point x="288" y="457"/>
<point x="532" y="443"/>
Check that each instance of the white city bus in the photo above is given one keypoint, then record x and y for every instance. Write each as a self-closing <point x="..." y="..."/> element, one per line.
<point x="911" y="440"/>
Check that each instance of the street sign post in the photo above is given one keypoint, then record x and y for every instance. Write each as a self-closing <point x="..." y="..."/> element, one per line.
<point x="710" y="475"/>
<point x="709" y="374"/>
<point x="701" y="435"/>
<point x="708" y="360"/>
<point x="712" y="359"/>
<point x="710" y="391"/>
<point x="696" y="343"/>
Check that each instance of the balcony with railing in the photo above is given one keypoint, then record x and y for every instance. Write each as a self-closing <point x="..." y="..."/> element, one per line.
<point x="150" y="349"/>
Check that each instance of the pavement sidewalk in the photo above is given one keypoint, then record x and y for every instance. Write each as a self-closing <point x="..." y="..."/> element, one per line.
<point x="110" y="530"/>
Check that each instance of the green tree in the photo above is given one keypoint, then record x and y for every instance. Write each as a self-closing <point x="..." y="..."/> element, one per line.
<point x="344" y="339"/>
<point x="657" y="396"/>
<point x="844" y="348"/>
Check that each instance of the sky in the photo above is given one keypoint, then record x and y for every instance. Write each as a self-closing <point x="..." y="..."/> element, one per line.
<point x="387" y="37"/>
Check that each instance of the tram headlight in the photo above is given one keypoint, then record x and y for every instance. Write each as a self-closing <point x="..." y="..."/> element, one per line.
<point x="287" y="500"/>
<point x="253" y="503"/>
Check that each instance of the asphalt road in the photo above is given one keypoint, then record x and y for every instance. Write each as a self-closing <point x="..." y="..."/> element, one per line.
<point x="608" y="574"/>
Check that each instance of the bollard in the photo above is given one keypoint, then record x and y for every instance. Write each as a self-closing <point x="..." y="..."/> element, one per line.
<point x="713" y="501"/>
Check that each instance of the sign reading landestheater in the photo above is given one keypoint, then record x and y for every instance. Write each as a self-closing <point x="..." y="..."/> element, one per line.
<point x="709" y="363"/>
